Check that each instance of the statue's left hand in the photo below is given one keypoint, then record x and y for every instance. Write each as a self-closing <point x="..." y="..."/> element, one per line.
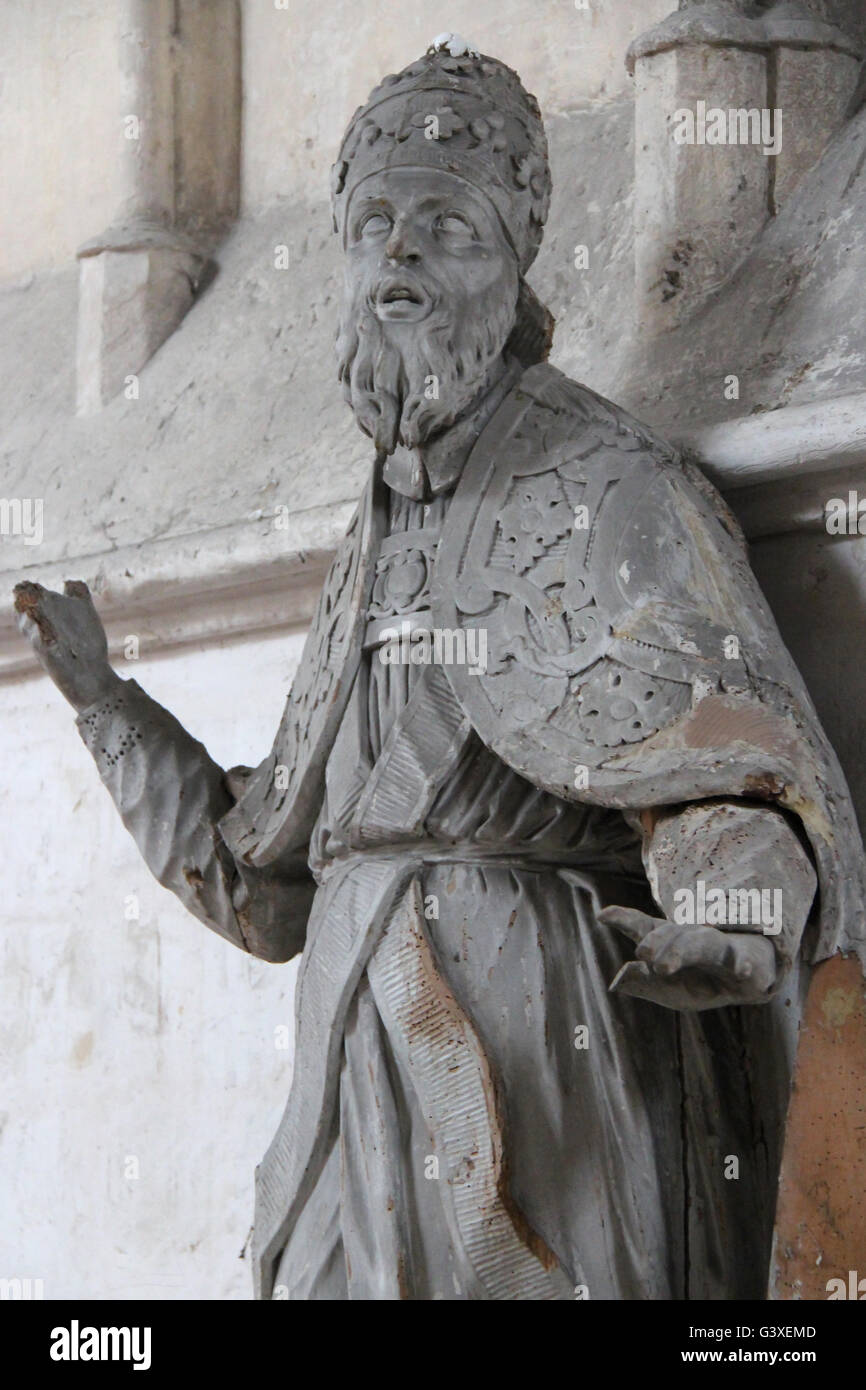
<point x="691" y="967"/>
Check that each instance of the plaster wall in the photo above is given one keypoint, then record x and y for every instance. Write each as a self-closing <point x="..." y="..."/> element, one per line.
<point x="59" y="173"/>
<point x="150" y="1038"/>
<point x="130" y="1045"/>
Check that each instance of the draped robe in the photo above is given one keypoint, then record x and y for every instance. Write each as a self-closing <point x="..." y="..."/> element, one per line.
<point x="568" y="1127"/>
<point x="473" y="1114"/>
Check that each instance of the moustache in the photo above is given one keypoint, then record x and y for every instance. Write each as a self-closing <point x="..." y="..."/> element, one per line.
<point x="412" y="353"/>
<point x="402" y="295"/>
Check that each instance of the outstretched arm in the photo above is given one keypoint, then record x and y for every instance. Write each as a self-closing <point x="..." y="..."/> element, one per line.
<point x="170" y="793"/>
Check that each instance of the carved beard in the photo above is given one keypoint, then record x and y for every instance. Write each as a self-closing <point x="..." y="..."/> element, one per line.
<point x="385" y="367"/>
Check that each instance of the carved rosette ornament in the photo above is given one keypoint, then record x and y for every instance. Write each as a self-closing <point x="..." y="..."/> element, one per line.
<point x="402" y="582"/>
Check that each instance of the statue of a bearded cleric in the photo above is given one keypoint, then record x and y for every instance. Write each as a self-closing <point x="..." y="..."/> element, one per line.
<point x="549" y="812"/>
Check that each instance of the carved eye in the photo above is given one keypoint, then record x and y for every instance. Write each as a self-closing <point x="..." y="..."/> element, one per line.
<point x="374" y="224"/>
<point x="454" y="227"/>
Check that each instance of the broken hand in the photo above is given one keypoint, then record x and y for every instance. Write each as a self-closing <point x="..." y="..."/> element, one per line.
<point x="67" y="635"/>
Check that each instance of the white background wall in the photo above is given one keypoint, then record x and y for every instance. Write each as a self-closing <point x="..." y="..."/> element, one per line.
<point x="305" y="69"/>
<point x="58" y="122"/>
<point x="154" y="1039"/>
<point x="151" y="1038"/>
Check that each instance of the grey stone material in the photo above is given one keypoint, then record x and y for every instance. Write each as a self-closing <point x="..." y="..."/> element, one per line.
<point x="742" y="24"/>
<point x="702" y="203"/>
<point x="130" y="301"/>
<point x="171" y="796"/>
<point x="796" y="289"/>
<point x="708" y="837"/>
<point x="808" y="83"/>
<point x="178" y="133"/>
<point x="466" y="849"/>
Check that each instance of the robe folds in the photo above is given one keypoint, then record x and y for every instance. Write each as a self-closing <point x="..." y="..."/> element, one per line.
<point x="473" y="1115"/>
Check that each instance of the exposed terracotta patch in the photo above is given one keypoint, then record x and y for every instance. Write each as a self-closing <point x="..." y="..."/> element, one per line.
<point x="765" y="786"/>
<point x="717" y="723"/>
<point x="28" y="600"/>
<point x="821" y="1216"/>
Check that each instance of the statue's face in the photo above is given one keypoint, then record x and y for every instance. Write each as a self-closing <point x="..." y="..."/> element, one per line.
<point x="430" y="295"/>
<point x="418" y="238"/>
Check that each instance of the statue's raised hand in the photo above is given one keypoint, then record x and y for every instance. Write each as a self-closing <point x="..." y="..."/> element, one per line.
<point x="691" y="967"/>
<point x="67" y="635"/>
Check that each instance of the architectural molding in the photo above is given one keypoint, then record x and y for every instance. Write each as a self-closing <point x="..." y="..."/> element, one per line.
<point x="777" y="470"/>
<point x="198" y="589"/>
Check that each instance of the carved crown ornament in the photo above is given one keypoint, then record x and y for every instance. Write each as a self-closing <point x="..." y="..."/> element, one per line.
<point x="457" y="110"/>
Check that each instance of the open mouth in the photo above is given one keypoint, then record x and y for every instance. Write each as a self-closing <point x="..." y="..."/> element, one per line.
<point x="398" y="293"/>
<point x="400" y="299"/>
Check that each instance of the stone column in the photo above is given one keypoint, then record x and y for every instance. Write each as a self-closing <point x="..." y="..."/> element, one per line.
<point x="812" y="71"/>
<point x="178" y="143"/>
<point x="716" y="84"/>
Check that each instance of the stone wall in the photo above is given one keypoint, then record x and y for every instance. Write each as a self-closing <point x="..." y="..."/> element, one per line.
<point x="144" y="1070"/>
<point x="147" y="1038"/>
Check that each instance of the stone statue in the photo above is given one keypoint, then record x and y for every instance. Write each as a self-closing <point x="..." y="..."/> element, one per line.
<point x="549" y="813"/>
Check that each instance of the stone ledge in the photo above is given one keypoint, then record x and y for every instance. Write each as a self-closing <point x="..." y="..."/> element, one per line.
<point x="201" y="588"/>
<point x="717" y="24"/>
<point x="777" y="470"/>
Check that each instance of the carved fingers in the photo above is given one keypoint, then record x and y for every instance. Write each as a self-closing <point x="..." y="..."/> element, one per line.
<point x="67" y="636"/>
<point x="691" y="967"/>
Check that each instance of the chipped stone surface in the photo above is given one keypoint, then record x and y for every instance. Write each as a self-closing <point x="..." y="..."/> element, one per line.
<point x="797" y="291"/>
<point x="171" y="491"/>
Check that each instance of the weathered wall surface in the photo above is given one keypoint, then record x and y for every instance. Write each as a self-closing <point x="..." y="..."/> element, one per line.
<point x="306" y="68"/>
<point x="124" y="1040"/>
<point x="794" y="293"/>
<point x="153" y="1039"/>
<point x="59" y="176"/>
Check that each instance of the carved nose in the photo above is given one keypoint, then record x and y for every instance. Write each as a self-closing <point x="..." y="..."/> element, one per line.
<point x="401" y="248"/>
